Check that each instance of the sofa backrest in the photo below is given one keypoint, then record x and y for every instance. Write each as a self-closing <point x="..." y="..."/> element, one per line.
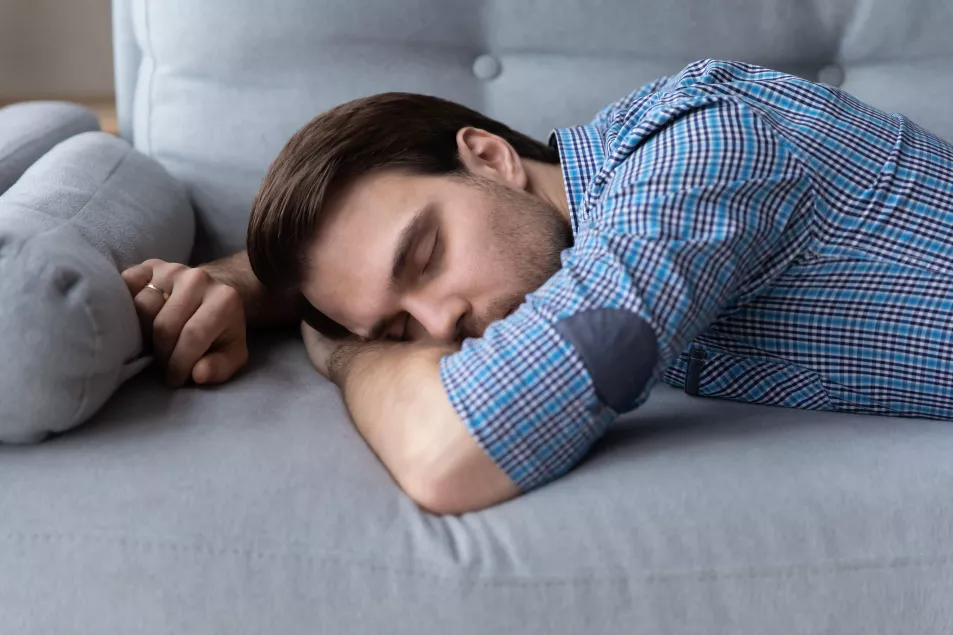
<point x="213" y="89"/>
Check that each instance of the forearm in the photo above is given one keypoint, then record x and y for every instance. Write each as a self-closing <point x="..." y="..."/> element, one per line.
<point x="384" y="385"/>
<point x="398" y="404"/>
<point x="262" y="308"/>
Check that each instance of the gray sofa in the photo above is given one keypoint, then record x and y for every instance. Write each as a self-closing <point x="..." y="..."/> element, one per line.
<point x="255" y="507"/>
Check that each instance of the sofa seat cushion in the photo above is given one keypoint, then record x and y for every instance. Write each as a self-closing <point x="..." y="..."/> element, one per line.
<point x="255" y="507"/>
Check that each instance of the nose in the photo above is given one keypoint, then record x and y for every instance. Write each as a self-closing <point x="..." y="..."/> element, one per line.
<point x="439" y="315"/>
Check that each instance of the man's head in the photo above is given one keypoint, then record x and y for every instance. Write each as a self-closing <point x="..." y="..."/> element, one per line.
<point x="408" y="217"/>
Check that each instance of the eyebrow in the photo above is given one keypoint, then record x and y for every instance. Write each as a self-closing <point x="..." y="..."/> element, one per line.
<point x="408" y="237"/>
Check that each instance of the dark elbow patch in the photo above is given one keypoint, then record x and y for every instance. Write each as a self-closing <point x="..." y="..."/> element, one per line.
<point x="619" y="350"/>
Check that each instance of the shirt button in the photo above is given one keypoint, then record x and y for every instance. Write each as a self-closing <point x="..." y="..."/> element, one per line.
<point x="832" y="75"/>
<point x="487" y="67"/>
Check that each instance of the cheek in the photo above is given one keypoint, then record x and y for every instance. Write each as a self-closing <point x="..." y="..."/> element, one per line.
<point x="482" y="260"/>
<point x="477" y="258"/>
<point x="483" y="270"/>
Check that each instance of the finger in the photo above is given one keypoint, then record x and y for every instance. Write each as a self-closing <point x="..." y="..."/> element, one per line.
<point x="219" y="320"/>
<point x="148" y="304"/>
<point x="136" y="277"/>
<point x="195" y="340"/>
<point x="219" y="366"/>
<point x="186" y="297"/>
<point x="149" y="301"/>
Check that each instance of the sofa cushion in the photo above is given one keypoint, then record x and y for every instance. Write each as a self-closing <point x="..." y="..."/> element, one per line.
<point x="256" y="507"/>
<point x="216" y="110"/>
<point x="69" y="334"/>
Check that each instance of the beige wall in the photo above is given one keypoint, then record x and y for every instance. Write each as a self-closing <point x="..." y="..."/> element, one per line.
<point x="55" y="48"/>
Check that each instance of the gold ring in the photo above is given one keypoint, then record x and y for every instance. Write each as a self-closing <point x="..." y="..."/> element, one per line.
<point x="165" y="296"/>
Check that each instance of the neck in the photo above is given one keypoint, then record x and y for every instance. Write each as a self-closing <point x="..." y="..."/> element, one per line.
<point x="545" y="180"/>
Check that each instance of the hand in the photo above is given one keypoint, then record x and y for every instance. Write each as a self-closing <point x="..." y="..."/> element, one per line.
<point x="322" y="350"/>
<point x="199" y="332"/>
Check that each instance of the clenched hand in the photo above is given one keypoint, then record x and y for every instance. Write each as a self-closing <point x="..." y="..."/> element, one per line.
<point x="199" y="332"/>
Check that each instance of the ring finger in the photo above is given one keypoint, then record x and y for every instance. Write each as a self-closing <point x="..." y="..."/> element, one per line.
<point x="150" y="300"/>
<point x="182" y="304"/>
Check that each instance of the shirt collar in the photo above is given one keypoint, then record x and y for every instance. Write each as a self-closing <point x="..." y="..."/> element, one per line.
<point x="580" y="156"/>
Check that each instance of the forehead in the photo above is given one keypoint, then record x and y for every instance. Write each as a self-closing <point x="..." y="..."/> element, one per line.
<point x="349" y="263"/>
<point x="374" y="195"/>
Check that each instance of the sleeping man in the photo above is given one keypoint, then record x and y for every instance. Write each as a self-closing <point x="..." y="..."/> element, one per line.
<point x="488" y="304"/>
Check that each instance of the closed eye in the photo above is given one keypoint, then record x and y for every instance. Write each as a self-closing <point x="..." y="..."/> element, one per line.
<point x="403" y="331"/>
<point x="397" y="331"/>
<point x="432" y="258"/>
<point x="431" y="265"/>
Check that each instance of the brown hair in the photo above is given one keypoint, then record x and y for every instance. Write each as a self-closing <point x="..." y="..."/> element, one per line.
<point x="391" y="130"/>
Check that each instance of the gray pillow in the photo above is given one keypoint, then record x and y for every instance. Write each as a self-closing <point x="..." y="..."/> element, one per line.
<point x="69" y="335"/>
<point x="28" y="130"/>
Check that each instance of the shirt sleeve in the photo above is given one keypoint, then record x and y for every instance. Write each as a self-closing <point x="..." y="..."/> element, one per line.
<point x="692" y="220"/>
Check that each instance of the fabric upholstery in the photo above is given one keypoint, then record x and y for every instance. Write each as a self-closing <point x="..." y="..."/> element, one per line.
<point x="216" y="110"/>
<point x="29" y="129"/>
<point x="255" y="507"/>
<point x="87" y="209"/>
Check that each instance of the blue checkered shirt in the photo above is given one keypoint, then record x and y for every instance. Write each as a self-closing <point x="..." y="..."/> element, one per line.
<point x="787" y="244"/>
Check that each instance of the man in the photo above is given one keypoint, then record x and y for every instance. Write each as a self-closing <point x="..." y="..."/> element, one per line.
<point x="488" y="304"/>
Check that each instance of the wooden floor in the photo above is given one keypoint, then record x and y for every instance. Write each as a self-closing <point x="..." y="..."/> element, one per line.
<point x="104" y="108"/>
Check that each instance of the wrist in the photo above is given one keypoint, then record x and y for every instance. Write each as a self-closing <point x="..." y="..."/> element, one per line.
<point x="348" y="356"/>
<point x="218" y="276"/>
<point x="262" y="308"/>
<point x="341" y="360"/>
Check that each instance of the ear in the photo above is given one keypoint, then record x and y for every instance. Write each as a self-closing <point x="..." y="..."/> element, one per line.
<point x="491" y="156"/>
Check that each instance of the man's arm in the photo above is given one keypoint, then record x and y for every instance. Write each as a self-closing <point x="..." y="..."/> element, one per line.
<point x="675" y="243"/>
<point x="198" y="332"/>
<point x="398" y="404"/>
<point x="262" y="308"/>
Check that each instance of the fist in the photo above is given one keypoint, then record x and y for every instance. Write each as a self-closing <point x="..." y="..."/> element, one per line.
<point x="199" y="331"/>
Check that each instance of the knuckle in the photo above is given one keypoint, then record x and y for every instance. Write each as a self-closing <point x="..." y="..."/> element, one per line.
<point x="163" y="328"/>
<point x="194" y="333"/>
<point x="143" y="306"/>
<point x="193" y="276"/>
<point x="160" y="267"/>
<point x="228" y="291"/>
<point x="163" y="265"/>
<point x="184" y="281"/>
<point x="169" y="272"/>
<point x="228" y="296"/>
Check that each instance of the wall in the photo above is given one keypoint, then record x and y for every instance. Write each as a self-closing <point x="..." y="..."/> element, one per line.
<point x="55" y="48"/>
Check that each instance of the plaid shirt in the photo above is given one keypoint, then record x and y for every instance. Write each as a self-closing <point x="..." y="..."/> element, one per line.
<point x="785" y="243"/>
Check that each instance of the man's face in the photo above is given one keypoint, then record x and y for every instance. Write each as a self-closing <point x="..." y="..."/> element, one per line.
<point x="405" y="256"/>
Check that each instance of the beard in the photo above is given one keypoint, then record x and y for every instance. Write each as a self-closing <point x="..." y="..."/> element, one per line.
<point x="530" y="236"/>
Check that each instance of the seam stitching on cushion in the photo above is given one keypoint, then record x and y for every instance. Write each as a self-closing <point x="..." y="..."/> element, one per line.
<point x="92" y="196"/>
<point x="96" y="192"/>
<point x="704" y="575"/>
<point x="98" y="346"/>
<point x="152" y="71"/>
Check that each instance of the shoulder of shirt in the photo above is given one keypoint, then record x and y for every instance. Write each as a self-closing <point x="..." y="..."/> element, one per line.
<point x="664" y="101"/>
<point x="705" y="77"/>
